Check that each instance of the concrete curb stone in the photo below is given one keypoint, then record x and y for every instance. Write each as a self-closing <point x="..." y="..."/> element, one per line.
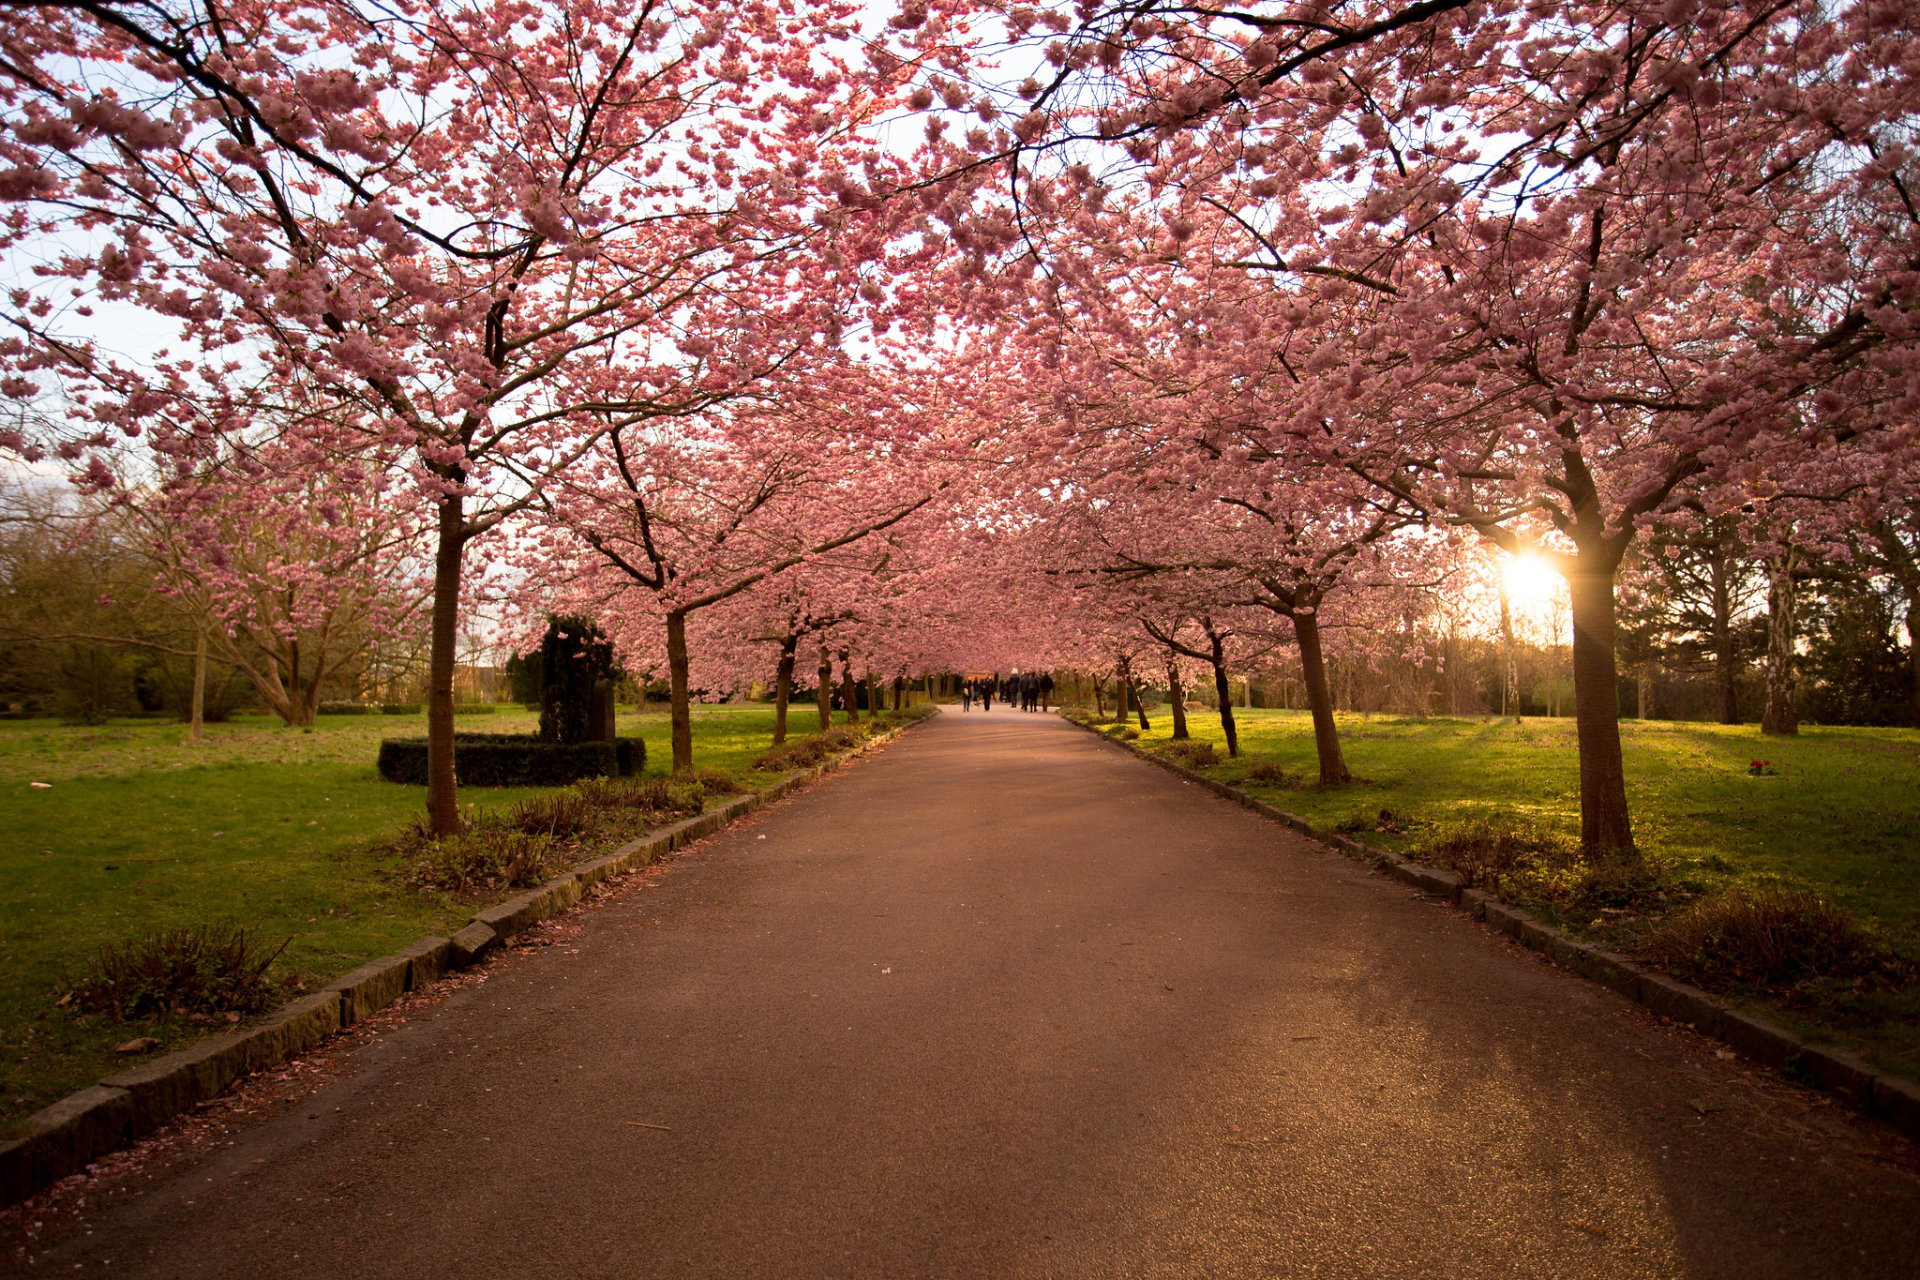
<point x="66" y="1136"/>
<point x="427" y="960"/>
<point x="168" y="1085"/>
<point x="292" y="1029"/>
<point x="471" y="943"/>
<point x="1894" y="1099"/>
<point x="371" y="987"/>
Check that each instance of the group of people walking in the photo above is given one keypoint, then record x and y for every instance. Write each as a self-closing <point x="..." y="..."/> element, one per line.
<point x="1031" y="690"/>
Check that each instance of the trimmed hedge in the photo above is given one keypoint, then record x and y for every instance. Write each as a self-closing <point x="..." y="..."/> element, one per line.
<point x="514" y="760"/>
<point x="475" y="709"/>
<point x="400" y="708"/>
<point x="348" y="709"/>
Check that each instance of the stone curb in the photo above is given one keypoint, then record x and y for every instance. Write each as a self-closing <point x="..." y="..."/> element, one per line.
<point x="1893" y="1098"/>
<point x="66" y="1137"/>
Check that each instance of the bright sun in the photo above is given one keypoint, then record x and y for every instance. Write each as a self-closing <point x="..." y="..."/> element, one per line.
<point x="1532" y="586"/>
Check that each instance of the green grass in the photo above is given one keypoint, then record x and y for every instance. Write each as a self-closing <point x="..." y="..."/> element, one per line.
<point x="273" y="828"/>
<point x="1840" y="815"/>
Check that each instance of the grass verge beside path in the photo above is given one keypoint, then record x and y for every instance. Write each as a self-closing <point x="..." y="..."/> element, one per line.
<point x="278" y="830"/>
<point x="1838" y="812"/>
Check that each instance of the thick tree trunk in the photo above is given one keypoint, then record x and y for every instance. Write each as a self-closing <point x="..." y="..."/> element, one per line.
<point x="677" y="682"/>
<point x="1313" y="671"/>
<point x="1176" y="703"/>
<point x="1781" y="716"/>
<point x="899" y="693"/>
<point x="1913" y="657"/>
<point x="783" y="687"/>
<point x="197" y="713"/>
<point x="823" y="689"/>
<point x="1223" y="692"/>
<point x="1605" y="830"/>
<point x="443" y="800"/>
<point x="846" y="687"/>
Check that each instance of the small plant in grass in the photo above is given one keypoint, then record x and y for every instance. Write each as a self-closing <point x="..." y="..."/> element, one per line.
<point x="1382" y="820"/>
<point x="1268" y="774"/>
<point x="1771" y="937"/>
<point x="1528" y="863"/>
<point x="559" y="815"/>
<point x="716" y="782"/>
<point x="489" y="855"/>
<point x="1194" y="755"/>
<point x="202" y="969"/>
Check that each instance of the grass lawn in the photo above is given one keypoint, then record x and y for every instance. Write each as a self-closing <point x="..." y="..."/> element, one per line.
<point x="273" y="828"/>
<point x="1840" y="813"/>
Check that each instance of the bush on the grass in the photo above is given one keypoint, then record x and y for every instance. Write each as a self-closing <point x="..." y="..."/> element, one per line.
<point x="514" y="760"/>
<point x="475" y="709"/>
<point x="199" y="969"/>
<point x="490" y="854"/>
<point x="348" y="709"/>
<point x="1770" y="936"/>
<point x="400" y="708"/>
<point x="1267" y="774"/>
<point x="1526" y="862"/>
<point x="1194" y="755"/>
<point x="804" y="753"/>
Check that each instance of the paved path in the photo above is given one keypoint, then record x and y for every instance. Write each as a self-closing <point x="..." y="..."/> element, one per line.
<point x="1000" y="1002"/>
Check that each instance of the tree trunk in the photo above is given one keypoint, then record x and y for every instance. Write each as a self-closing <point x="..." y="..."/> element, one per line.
<point x="1509" y="664"/>
<point x="197" y="712"/>
<point x="1781" y="716"/>
<point x="1099" y="699"/>
<point x="846" y="687"/>
<point x="1176" y="703"/>
<point x="443" y="800"/>
<point x="1913" y="656"/>
<point x="1605" y="830"/>
<point x="1313" y="671"/>
<point x="1723" y="657"/>
<point x="783" y="687"/>
<point x="1139" y="708"/>
<point x="823" y="689"/>
<point x="677" y="680"/>
<point x="899" y="693"/>
<point x="1223" y="692"/>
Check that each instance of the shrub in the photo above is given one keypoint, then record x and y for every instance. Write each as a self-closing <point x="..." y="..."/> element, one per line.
<point x="348" y="709"/>
<point x="716" y="782"/>
<point x="562" y="814"/>
<point x="802" y="753"/>
<point x="1195" y="755"/>
<point x="200" y="969"/>
<point x="1524" y="862"/>
<point x="1767" y="935"/>
<point x="400" y="708"/>
<point x="1272" y="775"/>
<point x="489" y="855"/>
<point x="475" y="709"/>
<point x="514" y="760"/>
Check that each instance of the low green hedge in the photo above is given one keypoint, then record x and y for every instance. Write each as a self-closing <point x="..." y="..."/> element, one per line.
<point x="348" y="709"/>
<point x="514" y="760"/>
<point x="475" y="709"/>
<point x="399" y="708"/>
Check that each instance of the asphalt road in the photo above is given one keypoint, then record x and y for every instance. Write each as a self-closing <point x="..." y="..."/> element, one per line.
<point x="1001" y="1002"/>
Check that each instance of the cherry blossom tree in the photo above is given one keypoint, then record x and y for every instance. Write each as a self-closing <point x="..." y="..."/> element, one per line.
<point x="490" y="233"/>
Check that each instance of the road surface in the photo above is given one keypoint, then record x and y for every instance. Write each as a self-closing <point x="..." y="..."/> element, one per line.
<point x="1001" y="1002"/>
